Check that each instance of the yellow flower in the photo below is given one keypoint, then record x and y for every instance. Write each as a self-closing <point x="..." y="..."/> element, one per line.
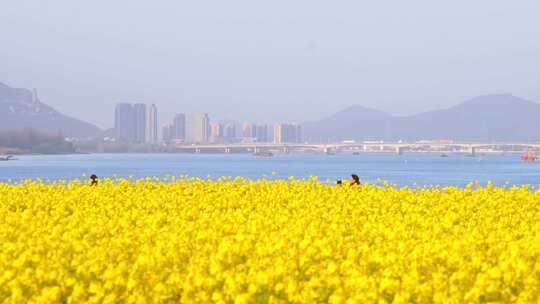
<point x="232" y="240"/>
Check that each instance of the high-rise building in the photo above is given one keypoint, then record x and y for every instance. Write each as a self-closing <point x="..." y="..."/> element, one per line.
<point x="216" y="132"/>
<point x="197" y="128"/>
<point x="124" y="122"/>
<point x="130" y="122"/>
<point x="248" y="130"/>
<point x="261" y="133"/>
<point x="167" y="132"/>
<point x="140" y="122"/>
<point x="151" y="136"/>
<point x="278" y="133"/>
<point x="229" y="131"/>
<point x="298" y="133"/>
<point x="287" y="133"/>
<point x="179" y="127"/>
<point x="252" y="132"/>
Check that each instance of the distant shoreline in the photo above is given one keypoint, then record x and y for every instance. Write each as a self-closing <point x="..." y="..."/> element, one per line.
<point x="25" y="153"/>
<point x="442" y="153"/>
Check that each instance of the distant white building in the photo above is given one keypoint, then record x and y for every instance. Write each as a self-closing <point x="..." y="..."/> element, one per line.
<point x="287" y="133"/>
<point x="229" y="131"/>
<point x="179" y="127"/>
<point x="151" y="135"/>
<point x="167" y="132"/>
<point x="140" y="122"/>
<point x="216" y="132"/>
<point x="124" y="122"/>
<point x="133" y="123"/>
<point x="197" y="128"/>
<point x="261" y="133"/>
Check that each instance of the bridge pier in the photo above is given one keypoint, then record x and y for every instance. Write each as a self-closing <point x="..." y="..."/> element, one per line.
<point x="327" y="150"/>
<point x="256" y="150"/>
<point x="472" y="151"/>
<point x="227" y="150"/>
<point x="399" y="150"/>
<point x="285" y="150"/>
<point x="197" y="150"/>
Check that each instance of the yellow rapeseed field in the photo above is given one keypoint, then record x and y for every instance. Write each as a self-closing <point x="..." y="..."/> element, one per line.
<point x="240" y="241"/>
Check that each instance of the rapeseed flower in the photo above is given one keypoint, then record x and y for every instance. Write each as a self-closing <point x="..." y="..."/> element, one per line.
<point x="234" y="240"/>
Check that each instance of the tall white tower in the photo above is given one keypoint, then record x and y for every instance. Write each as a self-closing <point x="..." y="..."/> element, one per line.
<point x="151" y="134"/>
<point x="140" y="122"/>
<point x="197" y="128"/>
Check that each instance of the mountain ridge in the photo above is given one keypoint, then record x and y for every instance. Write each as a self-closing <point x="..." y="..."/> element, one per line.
<point x="485" y="117"/>
<point x="493" y="117"/>
<point x="20" y="108"/>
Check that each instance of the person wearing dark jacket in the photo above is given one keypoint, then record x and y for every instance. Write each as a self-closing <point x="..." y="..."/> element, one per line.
<point x="94" y="180"/>
<point x="355" y="180"/>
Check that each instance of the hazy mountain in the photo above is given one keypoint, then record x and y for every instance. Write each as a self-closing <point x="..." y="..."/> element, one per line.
<point x="490" y="117"/>
<point x="356" y="122"/>
<point x="19" y="109"/>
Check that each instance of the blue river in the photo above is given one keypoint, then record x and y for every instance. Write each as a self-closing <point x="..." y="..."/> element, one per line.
<point x="407" y="169"/>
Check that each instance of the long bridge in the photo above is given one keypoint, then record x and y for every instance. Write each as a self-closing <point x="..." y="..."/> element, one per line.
<point x="328" y="148"/>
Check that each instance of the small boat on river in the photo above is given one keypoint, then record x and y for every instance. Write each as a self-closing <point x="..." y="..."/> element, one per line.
<point x="529" y="157"/>
<point x="264" y="154"/>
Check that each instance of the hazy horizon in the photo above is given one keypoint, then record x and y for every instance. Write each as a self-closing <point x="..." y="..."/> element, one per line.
<point x="295" y="61"/>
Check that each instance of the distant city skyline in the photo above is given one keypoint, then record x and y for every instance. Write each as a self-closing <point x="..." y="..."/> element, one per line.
<point x="496" y="118"/>
<point x="273" y="61"/>
<point x="198" y="128"/>
<point x="137" y="123"/>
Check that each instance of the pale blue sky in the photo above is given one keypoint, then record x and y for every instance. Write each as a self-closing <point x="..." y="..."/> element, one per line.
<point x="272" y="60"/>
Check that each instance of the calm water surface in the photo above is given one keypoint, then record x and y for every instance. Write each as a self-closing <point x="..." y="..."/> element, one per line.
<point x="408" y="169"/>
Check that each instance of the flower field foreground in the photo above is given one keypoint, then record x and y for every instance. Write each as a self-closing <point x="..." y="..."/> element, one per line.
<point x="264" y="241"/>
